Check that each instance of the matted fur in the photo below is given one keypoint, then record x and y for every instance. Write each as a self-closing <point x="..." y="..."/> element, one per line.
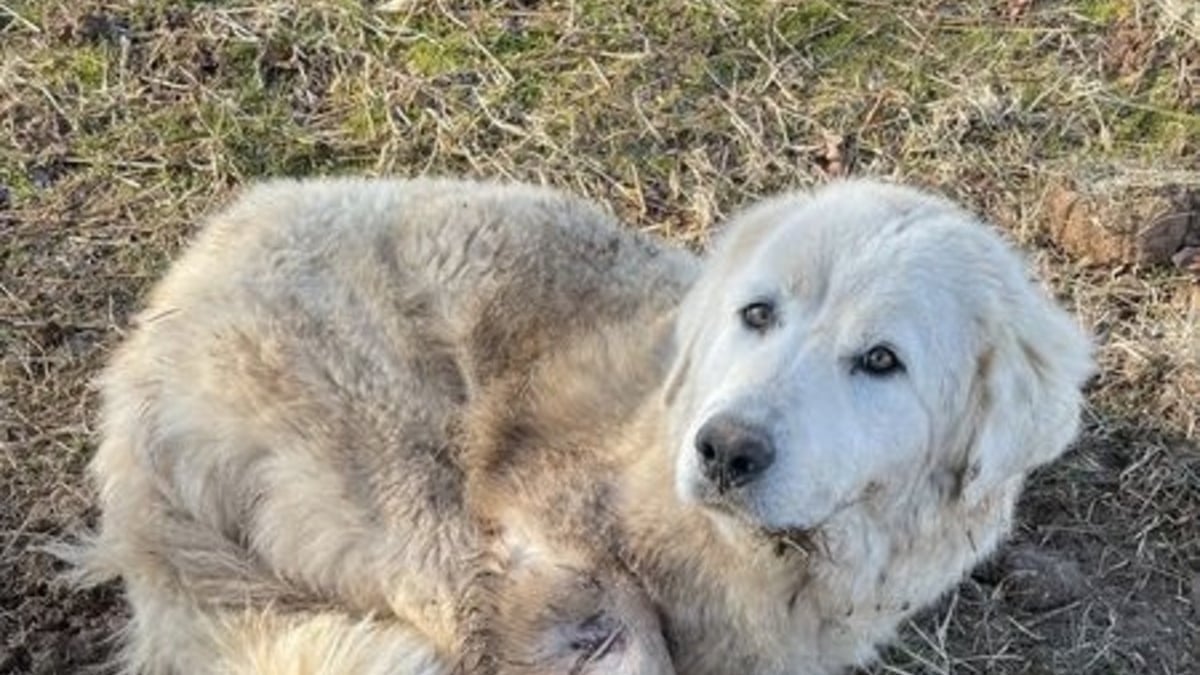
<point x="441" y="426"/>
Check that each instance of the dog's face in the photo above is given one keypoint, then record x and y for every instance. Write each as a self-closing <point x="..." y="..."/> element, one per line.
<point x="866" y="346"/>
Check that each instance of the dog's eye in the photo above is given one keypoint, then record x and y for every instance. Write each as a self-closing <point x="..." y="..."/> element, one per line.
<point x="758" y="316"/>
<point x="879" y="360"/>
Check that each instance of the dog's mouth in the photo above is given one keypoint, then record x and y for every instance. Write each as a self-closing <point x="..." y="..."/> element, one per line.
<point x="720" y="503"/>
<point x="806" y="541"/>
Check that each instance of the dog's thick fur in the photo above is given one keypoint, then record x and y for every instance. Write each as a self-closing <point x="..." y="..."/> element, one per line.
<point x="440" y="426"/>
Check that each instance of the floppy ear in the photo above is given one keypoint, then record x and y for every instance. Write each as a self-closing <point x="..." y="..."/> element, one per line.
<point x="1027" y="384"/>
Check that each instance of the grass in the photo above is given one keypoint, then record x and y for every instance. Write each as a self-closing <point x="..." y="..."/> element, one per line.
<point x="122" y="122"/>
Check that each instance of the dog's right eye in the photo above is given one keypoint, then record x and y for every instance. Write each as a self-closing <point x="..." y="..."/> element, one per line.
<point x="879" y="361"/>
<point x="758" y="316"/>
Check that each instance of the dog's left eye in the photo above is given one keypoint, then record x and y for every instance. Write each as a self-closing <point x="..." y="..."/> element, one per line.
<point x="879" y="360"/>
<point x="758" y="316"/>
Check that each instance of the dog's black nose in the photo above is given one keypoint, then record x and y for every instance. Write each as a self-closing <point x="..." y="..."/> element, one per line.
<point x="733" y="452"/>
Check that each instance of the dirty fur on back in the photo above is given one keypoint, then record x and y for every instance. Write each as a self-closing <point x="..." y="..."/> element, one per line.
<point x="440" y="426"/>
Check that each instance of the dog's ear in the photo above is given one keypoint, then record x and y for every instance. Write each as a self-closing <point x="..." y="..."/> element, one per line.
<point x="1026" y="394"/>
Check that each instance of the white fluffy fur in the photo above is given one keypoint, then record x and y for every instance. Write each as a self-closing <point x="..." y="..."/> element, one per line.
<point x="352" y="401"/>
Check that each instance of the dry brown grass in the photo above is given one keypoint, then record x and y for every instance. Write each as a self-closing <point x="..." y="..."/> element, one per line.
<point x="122" y="121"/>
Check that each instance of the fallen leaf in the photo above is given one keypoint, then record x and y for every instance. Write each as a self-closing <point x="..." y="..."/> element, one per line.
<point x="1076" y="226"/>
<point x="836" y="155"/>
<point x="1018" y="8"/>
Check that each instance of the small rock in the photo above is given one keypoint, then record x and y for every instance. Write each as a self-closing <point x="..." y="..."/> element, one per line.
<point x="1188" y="259"/>
<point x="1172" y="233"/>
<point x="1160" y="241"/>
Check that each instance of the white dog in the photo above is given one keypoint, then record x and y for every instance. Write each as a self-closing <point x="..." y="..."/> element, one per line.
<point x="451" y="427"/>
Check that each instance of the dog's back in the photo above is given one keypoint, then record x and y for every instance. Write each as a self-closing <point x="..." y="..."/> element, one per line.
<point x="283" y="456"/>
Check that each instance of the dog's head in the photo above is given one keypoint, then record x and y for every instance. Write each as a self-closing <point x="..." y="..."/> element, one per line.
<point x="865" y="346"/>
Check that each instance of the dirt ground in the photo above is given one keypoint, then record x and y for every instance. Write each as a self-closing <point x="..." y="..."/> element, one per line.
<point x="1074" y="126"/>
